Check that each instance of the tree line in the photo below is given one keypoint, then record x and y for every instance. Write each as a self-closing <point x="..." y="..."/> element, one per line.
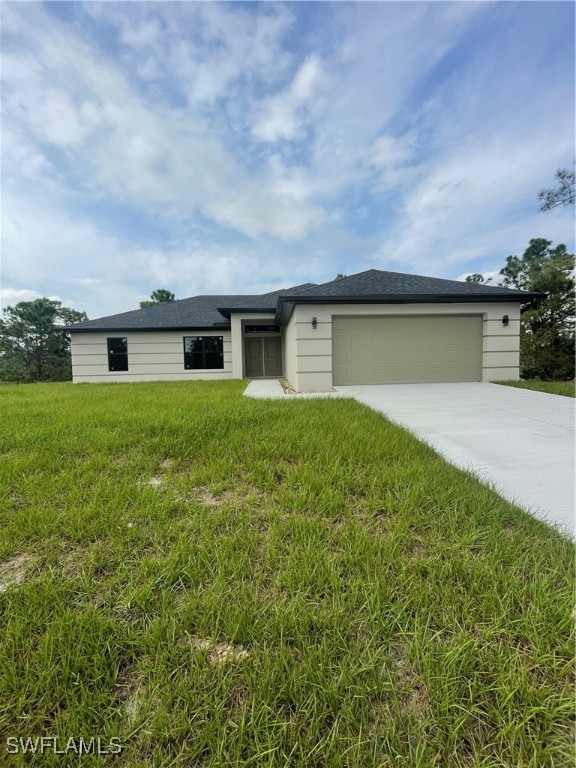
<point x="34" y="346"/>
<point x="546" y="325"/>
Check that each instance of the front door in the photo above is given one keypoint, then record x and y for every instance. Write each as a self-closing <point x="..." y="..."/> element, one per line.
<point x="272" y="357"/>
<point x="254" y="358"/>
<point x="263" y="357"/>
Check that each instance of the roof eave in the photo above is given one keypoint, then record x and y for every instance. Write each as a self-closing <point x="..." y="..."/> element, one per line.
<point x="124" y="329"/>
<point x="227" y="311"/>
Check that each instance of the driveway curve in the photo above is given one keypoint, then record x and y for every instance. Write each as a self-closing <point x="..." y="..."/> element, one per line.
<point x="520" y="441"/>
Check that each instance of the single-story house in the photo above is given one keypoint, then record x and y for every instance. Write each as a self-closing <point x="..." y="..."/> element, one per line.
<point x="374" y="327"/>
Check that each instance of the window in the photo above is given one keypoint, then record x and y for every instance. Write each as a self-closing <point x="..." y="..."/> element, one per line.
<point x="262" y="329"/>
<point x="118" y="354"/>
<point x="203" y="352"/>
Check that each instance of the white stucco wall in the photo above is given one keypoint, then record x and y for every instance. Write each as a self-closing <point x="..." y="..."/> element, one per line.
<point x="308" y="351"/>
<point x="289" y="352"/>
<point x="152" y="356"/>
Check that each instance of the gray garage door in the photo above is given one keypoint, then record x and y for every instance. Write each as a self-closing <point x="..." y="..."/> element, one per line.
<point x="386" y="350"/>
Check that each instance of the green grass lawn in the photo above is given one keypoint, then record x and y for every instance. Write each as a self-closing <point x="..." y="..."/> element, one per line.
<point x="565" y="388"/>
<point x="220" y="581"/>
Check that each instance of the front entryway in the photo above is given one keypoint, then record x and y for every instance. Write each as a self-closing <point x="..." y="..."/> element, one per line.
<point x="263" y="357"/>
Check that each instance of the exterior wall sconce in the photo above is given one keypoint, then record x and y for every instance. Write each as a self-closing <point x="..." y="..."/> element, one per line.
<point x="314" y="323"/>
<point x="505" y="320"/>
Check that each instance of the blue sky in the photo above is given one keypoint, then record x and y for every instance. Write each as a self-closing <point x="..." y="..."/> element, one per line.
<point x="243" y="147"/>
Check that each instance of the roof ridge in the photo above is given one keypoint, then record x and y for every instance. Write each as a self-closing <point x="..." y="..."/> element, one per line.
<point x="269" y="295"/>
<point x="356" y="278"/>
<point x="339" y="280"/>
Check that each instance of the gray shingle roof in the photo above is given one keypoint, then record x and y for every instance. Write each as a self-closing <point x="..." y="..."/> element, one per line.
<point x="373" y="285"/>
<point x="267" y="301"/>
<point x="376" y="287"/>
<point x="196" y="312"/>
<point x="375" y="282"/>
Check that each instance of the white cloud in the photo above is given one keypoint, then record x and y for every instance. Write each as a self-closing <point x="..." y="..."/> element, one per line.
<point x="293" y="182"/>
<point x="42" y="244"/>
<point x="123" y="270"/>
<point x="201" y="49"/>
<point x="149" y="69"/>
<point x="141" y="36"/>
<point x="11" y="296"/>
<point x="285" y="115"/>
<point x="460" y="210"/>
<point x="86" y="281"/>
<point x="27" y="162"/>
<point x="391" y="151"/>
<point x="390" y="161"/>
<point x="166" y="161"/>
<point x="384" y="50"/>
<point x="169" y="161"/>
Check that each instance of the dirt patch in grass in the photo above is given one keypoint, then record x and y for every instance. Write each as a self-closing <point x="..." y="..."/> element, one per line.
<point x="220" y="652"/>
<point x="76" y="559"/>
<point x="206" y="496"/>
<point x="19" y="502"/>
<point x="129" y="693"/>
<point x="238" y="697"/>
<point x="179" y="598"/>
<point x="413" y="693"/>
<point x="70" y="559"/>
<point x="13" y="572"/>
<point x="380" y="520"/>
<point x="415" y="550"/>
<point x="86" y="560"/>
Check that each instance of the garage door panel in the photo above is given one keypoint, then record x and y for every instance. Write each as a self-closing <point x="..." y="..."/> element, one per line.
<point x="381" y="357"/>
<point x="397" y="357"/>
<point x="358" y="358"/>
<point x="359" y="340"/>
<point x="413" y="356"/>
<point x="383" y="350"/>
<point x="340" y="343"/>
<point x="359" y="324"/>
<point x="393" y="342"/>
<point x="452" y="356"/>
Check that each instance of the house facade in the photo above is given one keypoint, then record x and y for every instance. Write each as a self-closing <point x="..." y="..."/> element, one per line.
<point x="371" y="328"/>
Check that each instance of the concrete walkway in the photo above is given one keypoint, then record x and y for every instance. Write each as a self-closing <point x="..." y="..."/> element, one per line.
<point x="520" y="441"/>
<point x="271" y="389"/>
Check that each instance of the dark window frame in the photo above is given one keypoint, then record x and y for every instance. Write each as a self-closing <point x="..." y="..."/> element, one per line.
<point x="261" y="329"/>
<point x="193" y="357"/>
<point x="117" y="360"/>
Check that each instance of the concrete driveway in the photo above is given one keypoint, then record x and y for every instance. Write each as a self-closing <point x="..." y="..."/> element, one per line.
<point x="518" y="440"/>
